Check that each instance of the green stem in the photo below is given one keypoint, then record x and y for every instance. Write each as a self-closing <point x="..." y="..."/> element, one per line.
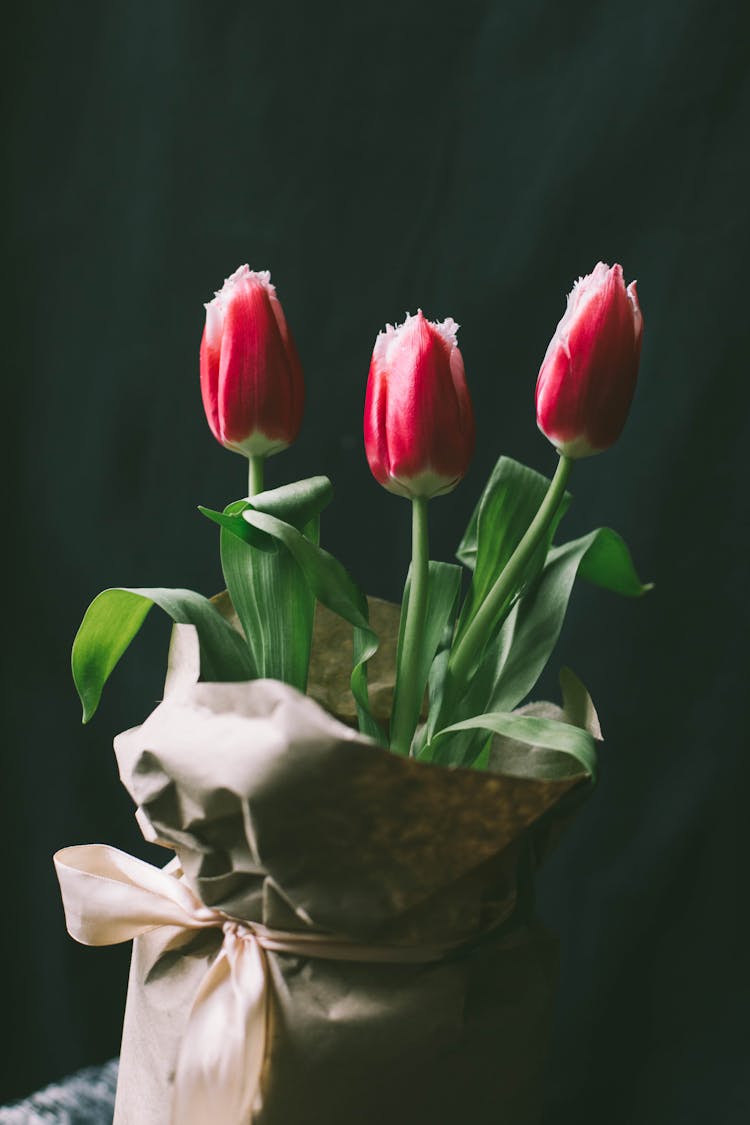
<point x="407" y="706"/>
<point x="469" y="650"/>
<point x="256" y="473"/>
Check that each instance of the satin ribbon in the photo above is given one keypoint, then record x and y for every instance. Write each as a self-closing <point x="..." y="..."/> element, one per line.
<point x="111" y="897"/>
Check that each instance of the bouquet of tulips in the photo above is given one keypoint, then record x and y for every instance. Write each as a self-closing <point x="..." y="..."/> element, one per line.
<point x="356" y="795"/>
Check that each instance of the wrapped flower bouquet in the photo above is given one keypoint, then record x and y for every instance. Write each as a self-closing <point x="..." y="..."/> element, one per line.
<point x="356" y="795"/>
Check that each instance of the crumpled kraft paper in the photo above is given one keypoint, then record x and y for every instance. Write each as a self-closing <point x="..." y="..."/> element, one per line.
<point x="280" y="814"/>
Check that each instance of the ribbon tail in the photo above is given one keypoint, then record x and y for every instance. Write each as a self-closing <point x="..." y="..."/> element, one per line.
<point x="221" y="1057"/>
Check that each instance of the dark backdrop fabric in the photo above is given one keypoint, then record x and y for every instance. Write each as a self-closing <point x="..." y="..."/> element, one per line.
<point x="471" y="159"/>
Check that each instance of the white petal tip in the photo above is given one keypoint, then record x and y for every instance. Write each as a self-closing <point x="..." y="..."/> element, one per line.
<point x="223" y="296"/>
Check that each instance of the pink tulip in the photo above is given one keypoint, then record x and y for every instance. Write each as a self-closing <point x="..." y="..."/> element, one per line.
<point x="588" y="375"/>
<point x="419" y="421"/>
<point x="251" y="378"/>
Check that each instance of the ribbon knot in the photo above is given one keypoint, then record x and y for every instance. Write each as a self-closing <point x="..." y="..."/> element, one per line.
<point x="111" y="897"/>
<point x="239" y="929"/>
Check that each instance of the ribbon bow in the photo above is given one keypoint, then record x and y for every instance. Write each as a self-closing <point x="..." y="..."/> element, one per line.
<point x="111" y="897"/>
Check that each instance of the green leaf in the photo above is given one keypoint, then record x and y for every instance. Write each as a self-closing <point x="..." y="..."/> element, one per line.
<point x="516" y="658"/>
<point x="116" y="615"/>
<point x="553" y="749"/>
<point x="443" y="586"/>
<point x="507" y="506"/>
<point x="511" y="497"/>
<point x="273" y="602"/>
<point x="578" y="706"/>
<point x="270" y="594"/>
<point x="608" y="563"/>
<point x="332" y="585"/>
<point x="482" y="761"/>
<point x="297" y="503"/>
<point x="365" y="646"/>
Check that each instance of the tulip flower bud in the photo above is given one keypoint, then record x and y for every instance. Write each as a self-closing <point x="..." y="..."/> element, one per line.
<point x="419" y="421"/>
<point x="588" y="375"/>
<point x="251" y="378"/>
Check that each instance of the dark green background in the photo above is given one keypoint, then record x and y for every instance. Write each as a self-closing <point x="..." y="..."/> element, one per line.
<point x="471" y="159"/>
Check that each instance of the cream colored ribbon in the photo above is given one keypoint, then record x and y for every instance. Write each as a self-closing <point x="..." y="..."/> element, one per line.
<point x="110" y="897"/>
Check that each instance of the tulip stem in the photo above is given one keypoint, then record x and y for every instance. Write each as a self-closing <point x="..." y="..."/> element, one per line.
<point x="465" y="657"/>
<point x="256" y="472"/>
<point x="406" y="705"/>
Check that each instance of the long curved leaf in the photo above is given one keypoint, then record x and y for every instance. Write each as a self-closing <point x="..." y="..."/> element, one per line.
<point x="509" y="502"/>
<point x="528" y="636"/>
<point x="516" y="657"/>
<point x="270" y="594"/>
<point x="443" y="587"/>
<point x="556" y="749"/>
<point x="334" y="587"/>
<point x="297" y="503"/>
<point x="116" y="615"/>
<point x="607" y="563"/>
<point x="272" y="600"/>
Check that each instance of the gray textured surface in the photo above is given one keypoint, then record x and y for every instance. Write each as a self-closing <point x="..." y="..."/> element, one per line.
<point x="84" y="1098"/>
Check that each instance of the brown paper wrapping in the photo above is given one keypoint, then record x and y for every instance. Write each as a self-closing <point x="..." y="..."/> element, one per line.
<point x="280" y="814"/>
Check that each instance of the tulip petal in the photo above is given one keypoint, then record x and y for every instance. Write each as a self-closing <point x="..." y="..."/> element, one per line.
<point x="251" y="377"/>
<point x="419" y="422"/>
<point x="209" y="367"/>
<point x="587" y="378"/>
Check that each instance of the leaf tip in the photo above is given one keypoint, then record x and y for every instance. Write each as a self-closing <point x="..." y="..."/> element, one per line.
<point x="88" y="710"/>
